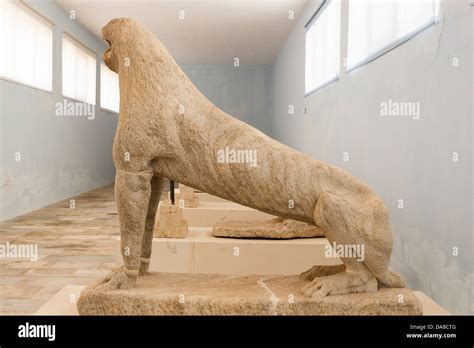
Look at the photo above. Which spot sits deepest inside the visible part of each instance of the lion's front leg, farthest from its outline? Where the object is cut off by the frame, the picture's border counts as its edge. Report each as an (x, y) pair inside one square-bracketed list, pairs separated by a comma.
[(132, 194)]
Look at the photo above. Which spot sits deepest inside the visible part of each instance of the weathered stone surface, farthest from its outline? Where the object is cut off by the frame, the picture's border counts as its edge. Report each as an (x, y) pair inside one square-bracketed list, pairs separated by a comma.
[(170, 223), (168, 129), (186, 194), (277, 228), (205, 294)]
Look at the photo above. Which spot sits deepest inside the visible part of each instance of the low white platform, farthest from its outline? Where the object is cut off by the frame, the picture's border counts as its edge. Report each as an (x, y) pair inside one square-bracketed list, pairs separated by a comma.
[(64, 302), (206, 197), (200, 252), (208, 213), (212, 209), (203, 197), (60, 304)]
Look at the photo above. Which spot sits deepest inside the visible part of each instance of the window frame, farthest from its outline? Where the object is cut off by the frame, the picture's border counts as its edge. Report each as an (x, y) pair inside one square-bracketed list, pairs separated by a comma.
[(53, 26), (396, 43), (312, 20), (93, 53)]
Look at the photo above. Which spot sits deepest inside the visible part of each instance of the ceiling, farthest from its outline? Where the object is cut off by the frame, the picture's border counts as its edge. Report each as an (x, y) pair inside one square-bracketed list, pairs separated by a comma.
[(212, 31)]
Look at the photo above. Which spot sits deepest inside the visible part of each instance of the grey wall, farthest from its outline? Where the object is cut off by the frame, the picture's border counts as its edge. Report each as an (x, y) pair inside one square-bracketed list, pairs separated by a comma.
[(65, 156), (60, 156), (399, 157), (245, 92)]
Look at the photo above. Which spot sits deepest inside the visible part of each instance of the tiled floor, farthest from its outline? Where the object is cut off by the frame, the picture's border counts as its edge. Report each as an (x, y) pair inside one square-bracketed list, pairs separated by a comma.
[(74, 247)]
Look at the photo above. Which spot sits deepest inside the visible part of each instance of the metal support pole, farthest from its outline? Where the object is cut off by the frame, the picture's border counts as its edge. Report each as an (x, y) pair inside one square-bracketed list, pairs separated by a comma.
[(172, 191)]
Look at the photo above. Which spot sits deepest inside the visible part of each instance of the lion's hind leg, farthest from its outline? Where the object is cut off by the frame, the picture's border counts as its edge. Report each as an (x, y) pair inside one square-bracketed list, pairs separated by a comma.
[(132, 194), (345, 222)]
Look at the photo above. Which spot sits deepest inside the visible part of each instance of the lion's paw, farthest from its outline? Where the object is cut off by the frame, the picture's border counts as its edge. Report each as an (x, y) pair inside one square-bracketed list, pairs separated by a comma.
[(117, 279)]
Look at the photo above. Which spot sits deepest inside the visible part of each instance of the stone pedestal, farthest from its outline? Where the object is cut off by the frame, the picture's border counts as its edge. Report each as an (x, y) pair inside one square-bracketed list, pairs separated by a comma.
[(211, 294), (170, 223), (203, 197), (200, 252), (208, 213), (61, 304), (276, 228), (187, 196)]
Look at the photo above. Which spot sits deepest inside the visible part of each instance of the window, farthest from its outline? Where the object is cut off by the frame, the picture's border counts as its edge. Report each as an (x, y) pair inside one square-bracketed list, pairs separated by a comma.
[(322, 46), (375, 27), (79, 71), (26, 46), (109, 89)]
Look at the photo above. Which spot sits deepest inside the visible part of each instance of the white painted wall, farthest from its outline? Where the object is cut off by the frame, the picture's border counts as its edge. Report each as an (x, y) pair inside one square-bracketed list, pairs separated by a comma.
[(60, 156), (400, 158), (244, 92)]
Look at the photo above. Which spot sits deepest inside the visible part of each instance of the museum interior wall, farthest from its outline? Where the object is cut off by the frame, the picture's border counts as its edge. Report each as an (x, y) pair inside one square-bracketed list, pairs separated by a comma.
[(409, 160), (60, 156), (245, 92)]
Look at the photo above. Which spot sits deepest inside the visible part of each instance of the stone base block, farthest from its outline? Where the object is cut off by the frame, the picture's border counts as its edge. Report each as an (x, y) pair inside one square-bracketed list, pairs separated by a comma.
[(208, 213), (187, 198), (200, 252), (206, 197), (210, 294), (276, 228), (191, 202), (180, 231), (170, 223), (203, 197)]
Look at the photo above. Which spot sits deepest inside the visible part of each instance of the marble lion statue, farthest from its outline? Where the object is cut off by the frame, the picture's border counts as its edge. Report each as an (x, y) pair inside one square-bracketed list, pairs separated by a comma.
[(168, 129)]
